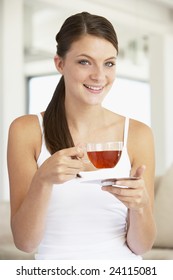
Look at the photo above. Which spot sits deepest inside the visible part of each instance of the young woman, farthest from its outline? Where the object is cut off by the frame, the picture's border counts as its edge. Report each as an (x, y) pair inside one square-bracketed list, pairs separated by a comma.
[(52, 210)]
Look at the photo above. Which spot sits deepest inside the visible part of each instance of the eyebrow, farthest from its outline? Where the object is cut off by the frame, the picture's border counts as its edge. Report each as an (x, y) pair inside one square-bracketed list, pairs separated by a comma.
[(86, 55)]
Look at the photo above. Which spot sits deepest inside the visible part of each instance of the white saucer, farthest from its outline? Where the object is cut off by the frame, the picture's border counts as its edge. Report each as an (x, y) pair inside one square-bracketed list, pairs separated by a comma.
[(109, 182)]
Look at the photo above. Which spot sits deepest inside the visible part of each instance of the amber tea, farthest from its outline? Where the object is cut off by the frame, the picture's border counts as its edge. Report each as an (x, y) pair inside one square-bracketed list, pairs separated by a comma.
[(104, 155)]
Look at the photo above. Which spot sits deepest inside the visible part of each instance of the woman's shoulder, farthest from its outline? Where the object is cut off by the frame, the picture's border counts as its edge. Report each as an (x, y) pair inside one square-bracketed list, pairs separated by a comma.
[(139, 127), (135, 126), (25, 123), (25, 130), (140, 135)]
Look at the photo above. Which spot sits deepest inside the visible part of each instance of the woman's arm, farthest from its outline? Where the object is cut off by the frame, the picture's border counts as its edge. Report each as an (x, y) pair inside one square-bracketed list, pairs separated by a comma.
[(139, 196), (30, 186), (141, 225)]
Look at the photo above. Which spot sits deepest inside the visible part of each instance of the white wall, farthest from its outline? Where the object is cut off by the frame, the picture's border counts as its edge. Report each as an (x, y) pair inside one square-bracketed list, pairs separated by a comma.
[(161, 69), (12, 98), (1, 101)]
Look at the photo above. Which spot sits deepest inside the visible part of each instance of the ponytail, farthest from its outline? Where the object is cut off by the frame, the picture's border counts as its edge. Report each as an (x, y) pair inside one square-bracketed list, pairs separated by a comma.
[(56, 130)]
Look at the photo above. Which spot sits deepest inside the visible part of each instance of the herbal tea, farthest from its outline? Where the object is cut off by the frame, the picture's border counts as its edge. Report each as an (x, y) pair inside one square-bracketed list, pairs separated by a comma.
[(104, 159)]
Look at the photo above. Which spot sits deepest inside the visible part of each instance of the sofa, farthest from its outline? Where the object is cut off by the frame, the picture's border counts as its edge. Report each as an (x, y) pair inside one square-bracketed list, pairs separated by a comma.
[(163, 212), (163, 246)]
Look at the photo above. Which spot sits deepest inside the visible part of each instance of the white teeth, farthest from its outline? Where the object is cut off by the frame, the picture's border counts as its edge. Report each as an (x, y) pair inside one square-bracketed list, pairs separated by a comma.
[(94, 87)]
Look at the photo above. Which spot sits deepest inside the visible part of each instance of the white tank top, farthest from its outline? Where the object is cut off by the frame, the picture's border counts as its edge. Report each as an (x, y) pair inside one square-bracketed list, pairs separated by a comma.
[(83, 222)]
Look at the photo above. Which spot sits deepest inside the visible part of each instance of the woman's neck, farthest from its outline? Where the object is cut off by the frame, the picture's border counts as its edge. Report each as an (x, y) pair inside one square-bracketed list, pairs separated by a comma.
[(85, 119)]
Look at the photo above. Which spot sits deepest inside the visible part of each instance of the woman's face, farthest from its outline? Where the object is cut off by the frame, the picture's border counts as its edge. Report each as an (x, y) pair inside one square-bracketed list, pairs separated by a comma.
[(88, 69)]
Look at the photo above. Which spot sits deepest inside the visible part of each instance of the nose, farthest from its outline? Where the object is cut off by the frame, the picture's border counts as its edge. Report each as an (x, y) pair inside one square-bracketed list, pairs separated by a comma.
[(98, 74)]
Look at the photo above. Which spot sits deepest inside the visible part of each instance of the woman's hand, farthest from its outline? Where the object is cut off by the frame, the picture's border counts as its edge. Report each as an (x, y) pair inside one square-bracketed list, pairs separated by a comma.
[(62, 166), (135, 195)]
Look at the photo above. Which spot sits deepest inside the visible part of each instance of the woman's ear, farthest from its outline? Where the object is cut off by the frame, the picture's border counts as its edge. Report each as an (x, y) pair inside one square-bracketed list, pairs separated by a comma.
[(59, 63)]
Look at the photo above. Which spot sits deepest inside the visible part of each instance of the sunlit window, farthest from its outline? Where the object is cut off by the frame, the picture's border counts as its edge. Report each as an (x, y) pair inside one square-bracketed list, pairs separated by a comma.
[(127, 97), (130, 98)]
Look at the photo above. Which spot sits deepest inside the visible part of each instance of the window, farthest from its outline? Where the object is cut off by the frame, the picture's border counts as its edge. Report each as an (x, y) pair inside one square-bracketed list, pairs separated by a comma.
[(130, 98), (127, 97), (40, 92)]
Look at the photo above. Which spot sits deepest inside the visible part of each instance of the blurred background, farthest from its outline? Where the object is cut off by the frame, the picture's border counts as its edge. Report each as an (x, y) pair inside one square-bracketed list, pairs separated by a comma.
[(144, 86)]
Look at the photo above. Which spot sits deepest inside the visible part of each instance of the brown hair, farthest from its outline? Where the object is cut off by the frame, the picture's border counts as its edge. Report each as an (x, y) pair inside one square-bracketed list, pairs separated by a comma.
[(56, 130)]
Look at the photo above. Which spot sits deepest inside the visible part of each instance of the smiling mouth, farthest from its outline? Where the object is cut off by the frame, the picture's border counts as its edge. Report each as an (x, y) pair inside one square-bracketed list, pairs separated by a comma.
[(94, 88)]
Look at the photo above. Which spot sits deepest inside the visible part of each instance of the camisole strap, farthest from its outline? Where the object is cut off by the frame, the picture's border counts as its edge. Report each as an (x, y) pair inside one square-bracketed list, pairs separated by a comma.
[(126, 129), (40, 119)]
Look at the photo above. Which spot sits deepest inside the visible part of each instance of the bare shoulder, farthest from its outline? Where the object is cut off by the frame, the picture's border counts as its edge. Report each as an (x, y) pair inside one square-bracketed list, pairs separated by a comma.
[(25, 130), (24, 123), (141, 145), (139, 131)]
